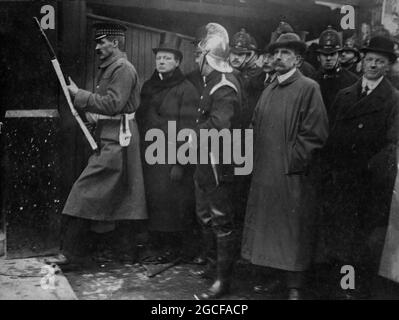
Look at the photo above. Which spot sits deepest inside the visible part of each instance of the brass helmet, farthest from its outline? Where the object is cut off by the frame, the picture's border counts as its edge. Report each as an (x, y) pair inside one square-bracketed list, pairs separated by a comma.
[(214, 47), (329, 41), (243, 42)]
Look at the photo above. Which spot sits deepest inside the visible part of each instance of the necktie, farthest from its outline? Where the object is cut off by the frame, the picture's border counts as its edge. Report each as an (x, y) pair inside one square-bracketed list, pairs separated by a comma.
[(365, 90), (269, 80)]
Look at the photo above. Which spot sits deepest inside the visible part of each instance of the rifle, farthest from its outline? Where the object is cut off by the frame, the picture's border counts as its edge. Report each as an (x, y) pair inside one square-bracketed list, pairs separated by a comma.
[(61, 79)]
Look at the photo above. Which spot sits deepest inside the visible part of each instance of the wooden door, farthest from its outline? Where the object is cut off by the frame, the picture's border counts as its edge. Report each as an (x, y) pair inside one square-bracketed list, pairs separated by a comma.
[(140, 40)]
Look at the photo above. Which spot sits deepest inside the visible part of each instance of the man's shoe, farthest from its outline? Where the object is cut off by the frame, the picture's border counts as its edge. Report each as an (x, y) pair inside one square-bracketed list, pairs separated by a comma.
[(351, 295), (296, 294), (200, 260), (216, 291), (208, 271), (271, 287), (59, 259)]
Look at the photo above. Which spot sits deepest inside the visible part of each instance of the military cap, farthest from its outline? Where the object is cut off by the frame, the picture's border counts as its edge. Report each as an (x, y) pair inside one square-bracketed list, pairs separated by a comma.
[(105, 29)]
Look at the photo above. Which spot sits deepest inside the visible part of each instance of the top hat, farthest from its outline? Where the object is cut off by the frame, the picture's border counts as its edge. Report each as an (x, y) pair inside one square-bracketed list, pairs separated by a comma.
[(104, 29), (289, 40), (169, 42), (381, 45), (329, 41)]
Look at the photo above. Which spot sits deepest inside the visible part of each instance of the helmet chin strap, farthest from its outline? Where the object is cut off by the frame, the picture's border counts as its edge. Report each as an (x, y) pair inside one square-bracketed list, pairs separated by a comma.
[(203, 60)]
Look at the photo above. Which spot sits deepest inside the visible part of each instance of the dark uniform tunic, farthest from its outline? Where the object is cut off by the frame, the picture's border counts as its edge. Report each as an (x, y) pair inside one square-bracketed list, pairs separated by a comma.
[(219, 109)]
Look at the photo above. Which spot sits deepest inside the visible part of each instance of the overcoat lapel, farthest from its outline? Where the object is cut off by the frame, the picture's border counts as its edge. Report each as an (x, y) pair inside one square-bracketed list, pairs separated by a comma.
[(373, 102)]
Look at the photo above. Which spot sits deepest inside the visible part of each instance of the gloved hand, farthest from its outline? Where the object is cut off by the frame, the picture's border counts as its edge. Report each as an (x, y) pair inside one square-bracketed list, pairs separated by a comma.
[(176, 173)]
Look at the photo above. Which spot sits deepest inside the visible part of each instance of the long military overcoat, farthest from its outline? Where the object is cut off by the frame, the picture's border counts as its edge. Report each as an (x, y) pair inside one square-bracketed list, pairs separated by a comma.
[(111, 187)]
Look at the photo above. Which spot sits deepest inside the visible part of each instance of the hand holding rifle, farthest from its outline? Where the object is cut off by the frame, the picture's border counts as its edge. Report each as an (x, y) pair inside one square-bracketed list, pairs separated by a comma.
[(72, 87)]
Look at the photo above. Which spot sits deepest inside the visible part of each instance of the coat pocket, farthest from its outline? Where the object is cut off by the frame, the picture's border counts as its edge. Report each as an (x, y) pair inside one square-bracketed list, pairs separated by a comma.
[(294, 164)]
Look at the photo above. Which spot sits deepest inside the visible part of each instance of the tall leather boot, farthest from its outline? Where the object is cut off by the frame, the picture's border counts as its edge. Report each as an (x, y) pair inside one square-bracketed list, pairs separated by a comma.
[(207, 245), (226, 256)]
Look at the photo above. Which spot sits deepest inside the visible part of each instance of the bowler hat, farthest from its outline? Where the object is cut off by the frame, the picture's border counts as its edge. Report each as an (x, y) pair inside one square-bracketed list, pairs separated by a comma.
[(381, 45), (289, 40), (169, 42), (104, 29)]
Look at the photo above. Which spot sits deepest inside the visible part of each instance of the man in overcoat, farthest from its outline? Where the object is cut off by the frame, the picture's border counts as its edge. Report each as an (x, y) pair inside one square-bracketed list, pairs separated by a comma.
[(168, 101), (110, 190), (360, 158), (290, 124)]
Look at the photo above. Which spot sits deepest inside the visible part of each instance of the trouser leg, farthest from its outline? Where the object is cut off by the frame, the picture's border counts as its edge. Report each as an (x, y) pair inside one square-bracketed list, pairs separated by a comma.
[(76, 239), (204, 219), (295, 279), (125, 239)]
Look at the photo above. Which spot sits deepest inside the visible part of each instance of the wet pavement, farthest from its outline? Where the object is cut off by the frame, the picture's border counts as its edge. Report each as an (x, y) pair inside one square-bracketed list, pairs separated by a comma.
[(117, 281)]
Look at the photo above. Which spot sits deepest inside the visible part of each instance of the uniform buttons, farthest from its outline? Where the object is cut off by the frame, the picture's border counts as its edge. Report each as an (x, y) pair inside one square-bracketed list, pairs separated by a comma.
[(196, 121), (97, 87), (202, 97), (203, 111), (199, 110), (360, 125)]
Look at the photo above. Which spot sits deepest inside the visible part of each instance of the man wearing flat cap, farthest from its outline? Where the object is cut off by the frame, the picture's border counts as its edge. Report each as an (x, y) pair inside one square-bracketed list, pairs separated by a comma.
[(360, 158), (290, 124), (331, 76), (109, 193)]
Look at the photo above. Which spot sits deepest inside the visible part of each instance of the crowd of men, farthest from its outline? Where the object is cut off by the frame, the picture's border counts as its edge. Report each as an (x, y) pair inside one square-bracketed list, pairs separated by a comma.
[(324, 161)]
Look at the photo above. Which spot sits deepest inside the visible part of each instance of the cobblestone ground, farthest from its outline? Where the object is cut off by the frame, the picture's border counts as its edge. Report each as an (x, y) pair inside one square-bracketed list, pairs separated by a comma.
[(125, 281), (116, 281)]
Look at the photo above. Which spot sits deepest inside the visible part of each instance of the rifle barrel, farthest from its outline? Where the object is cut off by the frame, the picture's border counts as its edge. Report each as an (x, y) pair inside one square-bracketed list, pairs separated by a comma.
[(48, 44)]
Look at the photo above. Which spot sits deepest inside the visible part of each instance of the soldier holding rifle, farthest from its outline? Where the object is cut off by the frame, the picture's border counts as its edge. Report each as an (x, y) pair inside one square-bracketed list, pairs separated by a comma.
[(110, 190)]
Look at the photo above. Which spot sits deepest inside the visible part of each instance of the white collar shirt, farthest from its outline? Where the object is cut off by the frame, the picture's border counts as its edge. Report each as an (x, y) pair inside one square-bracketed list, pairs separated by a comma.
[(370, 84), (281, 78)]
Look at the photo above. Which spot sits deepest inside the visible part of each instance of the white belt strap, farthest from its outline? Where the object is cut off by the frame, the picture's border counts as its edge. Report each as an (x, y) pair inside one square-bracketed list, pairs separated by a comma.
[(124, 129), (94, 117)]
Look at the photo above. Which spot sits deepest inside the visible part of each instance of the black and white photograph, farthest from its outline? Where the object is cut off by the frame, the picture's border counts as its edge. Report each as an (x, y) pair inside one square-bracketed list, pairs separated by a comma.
[(189, 150)]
